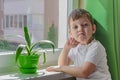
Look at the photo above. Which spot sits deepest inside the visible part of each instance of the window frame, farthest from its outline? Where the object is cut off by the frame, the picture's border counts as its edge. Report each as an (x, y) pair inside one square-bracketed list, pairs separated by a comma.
[(63, 26)]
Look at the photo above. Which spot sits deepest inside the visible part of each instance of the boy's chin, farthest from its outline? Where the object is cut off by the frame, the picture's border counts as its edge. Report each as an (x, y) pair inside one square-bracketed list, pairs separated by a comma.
[(83, 41)]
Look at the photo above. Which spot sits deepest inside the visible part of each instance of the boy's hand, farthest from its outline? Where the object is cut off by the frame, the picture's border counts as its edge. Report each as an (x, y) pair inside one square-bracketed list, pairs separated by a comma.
[(72, 43), (54, 69)]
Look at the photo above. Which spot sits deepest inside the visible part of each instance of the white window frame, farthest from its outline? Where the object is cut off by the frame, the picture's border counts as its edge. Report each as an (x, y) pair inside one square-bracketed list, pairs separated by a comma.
[(64, 5), (62, 23)]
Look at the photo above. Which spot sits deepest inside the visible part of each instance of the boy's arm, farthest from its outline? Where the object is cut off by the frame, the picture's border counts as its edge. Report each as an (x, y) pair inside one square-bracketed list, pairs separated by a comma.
[(82, 72), (63, 58)]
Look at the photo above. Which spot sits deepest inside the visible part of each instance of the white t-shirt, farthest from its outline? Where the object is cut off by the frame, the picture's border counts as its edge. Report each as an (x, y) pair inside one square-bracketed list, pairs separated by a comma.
[(95, 53)]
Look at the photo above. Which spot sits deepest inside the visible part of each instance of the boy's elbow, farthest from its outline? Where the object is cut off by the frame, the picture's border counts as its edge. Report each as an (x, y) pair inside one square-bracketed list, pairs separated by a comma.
[(84, 75)]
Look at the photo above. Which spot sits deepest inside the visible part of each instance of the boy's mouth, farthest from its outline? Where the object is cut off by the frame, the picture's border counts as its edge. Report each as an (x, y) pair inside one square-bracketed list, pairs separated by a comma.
[(81, 34)]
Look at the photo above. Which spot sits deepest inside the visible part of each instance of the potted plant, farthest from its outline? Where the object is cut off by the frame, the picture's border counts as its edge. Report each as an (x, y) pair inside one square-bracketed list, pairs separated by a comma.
[(27, 56)]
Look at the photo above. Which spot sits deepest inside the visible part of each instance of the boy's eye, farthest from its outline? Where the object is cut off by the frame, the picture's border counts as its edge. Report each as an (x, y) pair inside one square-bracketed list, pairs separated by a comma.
[(85, 25), (75, 27)]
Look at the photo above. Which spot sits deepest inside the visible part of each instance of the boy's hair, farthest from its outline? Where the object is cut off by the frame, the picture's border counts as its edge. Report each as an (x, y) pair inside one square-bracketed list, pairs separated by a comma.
[(78, 13)]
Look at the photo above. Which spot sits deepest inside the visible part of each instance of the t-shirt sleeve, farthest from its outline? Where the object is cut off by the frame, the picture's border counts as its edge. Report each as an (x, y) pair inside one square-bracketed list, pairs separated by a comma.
[(95, 54), (71, 55)]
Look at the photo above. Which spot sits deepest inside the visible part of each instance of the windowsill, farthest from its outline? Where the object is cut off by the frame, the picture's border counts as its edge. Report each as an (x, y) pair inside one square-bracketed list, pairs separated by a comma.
[(41, 74), (7, 61), (9, 70)]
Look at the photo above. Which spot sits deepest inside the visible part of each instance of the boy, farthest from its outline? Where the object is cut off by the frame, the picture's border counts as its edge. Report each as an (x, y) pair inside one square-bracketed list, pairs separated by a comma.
[(87, 53)]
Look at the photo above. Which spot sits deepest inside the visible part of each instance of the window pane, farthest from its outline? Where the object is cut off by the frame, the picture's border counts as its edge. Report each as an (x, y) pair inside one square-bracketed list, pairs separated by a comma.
[(15, 21), (20, 21), (11, 21), (25, 20), (44, 18), (7, 21)]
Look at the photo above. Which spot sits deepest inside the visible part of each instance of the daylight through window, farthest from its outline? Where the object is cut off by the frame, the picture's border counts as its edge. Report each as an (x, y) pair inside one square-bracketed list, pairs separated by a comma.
[(46, 19)]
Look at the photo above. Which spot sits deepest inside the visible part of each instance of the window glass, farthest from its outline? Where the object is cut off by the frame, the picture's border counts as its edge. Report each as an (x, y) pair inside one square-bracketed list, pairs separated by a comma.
[(15, 21), (1, 5), (46, 19)]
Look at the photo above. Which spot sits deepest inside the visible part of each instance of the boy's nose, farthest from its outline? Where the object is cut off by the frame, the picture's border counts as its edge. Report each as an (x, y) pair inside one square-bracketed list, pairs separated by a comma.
[(80, 28)]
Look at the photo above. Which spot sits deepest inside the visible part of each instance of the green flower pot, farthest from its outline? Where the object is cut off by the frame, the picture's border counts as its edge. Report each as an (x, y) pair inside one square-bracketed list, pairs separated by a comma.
[(28, 63), (28, 70)]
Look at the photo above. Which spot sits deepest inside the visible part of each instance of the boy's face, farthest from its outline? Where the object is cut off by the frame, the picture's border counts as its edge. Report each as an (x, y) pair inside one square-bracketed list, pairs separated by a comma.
[(82, 30)]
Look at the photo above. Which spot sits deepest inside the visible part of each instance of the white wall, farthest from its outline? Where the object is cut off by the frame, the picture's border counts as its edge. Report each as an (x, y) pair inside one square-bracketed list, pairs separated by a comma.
[(22, 6), (36, 18), (35, 11), (15, 7)]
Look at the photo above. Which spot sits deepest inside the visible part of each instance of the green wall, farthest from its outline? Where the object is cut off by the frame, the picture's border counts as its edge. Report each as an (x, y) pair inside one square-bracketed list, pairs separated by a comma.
[(106, 13)]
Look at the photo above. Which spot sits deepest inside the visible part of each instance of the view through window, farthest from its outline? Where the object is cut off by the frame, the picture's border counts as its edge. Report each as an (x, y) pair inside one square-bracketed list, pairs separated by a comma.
[(46, 19)]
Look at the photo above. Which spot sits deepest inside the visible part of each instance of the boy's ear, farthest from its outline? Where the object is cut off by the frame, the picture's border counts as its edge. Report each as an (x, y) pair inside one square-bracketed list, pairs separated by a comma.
[(94, 28)]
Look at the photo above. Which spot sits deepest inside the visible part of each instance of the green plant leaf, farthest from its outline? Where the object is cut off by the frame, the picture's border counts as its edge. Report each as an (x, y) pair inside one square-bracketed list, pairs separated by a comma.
[(18, 51), (33, 48), (34, 51), (44, 56), (27, 36), (28, 50), (43, 42)]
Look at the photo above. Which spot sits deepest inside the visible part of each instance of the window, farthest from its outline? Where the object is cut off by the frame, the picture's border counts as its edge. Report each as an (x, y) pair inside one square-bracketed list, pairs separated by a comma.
[(46, 19), (15, 21)]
